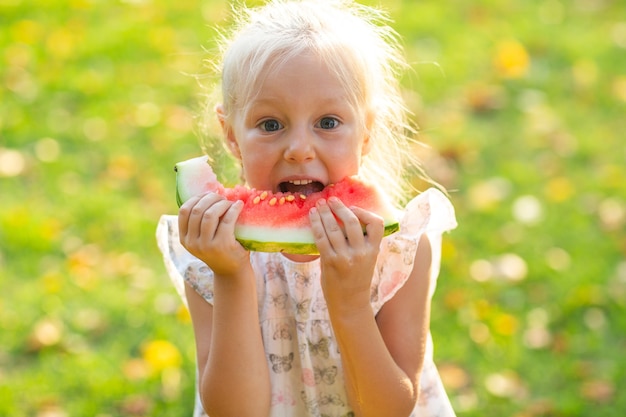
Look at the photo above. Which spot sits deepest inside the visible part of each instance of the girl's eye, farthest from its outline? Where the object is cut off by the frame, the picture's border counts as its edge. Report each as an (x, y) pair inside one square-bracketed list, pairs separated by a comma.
[(328, 123), (271, 125)]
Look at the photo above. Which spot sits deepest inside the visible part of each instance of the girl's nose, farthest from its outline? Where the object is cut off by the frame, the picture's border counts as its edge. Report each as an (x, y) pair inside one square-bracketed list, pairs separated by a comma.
[(300, 148)]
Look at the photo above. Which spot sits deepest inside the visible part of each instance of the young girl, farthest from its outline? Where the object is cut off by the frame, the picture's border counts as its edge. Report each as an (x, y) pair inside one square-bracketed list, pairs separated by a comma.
[(310, 96)]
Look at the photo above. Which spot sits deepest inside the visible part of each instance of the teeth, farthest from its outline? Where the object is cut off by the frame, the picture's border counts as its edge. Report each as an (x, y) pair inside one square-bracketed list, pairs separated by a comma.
[(301, 182)]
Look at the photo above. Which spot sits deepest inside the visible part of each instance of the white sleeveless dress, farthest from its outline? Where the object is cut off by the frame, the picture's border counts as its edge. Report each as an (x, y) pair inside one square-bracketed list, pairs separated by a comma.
[(302, 354)]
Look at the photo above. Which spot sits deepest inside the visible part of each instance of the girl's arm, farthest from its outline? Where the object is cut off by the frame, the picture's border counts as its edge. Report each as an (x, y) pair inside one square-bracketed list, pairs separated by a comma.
[(230, 354), (382, 355)]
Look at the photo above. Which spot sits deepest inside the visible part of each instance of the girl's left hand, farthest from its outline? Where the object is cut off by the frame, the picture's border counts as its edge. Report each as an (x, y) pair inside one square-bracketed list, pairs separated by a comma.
[(347, 255)]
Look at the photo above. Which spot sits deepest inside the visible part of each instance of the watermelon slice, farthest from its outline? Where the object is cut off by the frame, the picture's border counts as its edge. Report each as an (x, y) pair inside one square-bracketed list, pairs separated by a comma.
[(278, 222)]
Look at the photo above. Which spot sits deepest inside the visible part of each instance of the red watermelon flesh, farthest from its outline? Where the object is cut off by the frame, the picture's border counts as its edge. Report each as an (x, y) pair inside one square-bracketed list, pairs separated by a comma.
[(278, 222)]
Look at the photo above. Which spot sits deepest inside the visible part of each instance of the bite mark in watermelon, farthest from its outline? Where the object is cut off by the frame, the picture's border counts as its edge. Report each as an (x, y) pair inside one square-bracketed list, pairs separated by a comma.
[(278, 222)]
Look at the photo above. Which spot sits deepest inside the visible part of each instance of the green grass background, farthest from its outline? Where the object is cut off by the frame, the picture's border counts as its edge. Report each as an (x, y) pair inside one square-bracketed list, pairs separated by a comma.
[(97, 104)]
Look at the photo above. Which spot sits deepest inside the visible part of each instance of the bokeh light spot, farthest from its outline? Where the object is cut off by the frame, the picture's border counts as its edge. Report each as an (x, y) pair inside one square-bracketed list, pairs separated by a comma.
[(12, 162), (528, 210), (47, 149)]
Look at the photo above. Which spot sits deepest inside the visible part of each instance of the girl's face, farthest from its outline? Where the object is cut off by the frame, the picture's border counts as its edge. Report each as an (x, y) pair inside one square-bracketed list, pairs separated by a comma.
[(300, 132)]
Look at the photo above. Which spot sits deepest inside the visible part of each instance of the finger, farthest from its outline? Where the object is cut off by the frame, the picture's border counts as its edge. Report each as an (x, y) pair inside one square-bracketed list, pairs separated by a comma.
[(352, 227), (196, 213), (333, 229), (184, 212), (374, 224), (319, 233), (228, 220), (211, 219)]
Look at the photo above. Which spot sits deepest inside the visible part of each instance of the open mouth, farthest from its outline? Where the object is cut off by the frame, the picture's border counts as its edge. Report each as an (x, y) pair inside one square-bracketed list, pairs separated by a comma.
[(305, 187)]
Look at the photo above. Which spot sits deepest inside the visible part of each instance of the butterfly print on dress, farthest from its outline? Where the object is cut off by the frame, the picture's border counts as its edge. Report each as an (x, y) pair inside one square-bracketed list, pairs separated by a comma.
[(302, 280), (319, 305), (302, 309), (282, 331), (334, 399), (321, 325), (311, 405), (281, 363), (279, 301), (325, 375), (275, 270), (320, 348)]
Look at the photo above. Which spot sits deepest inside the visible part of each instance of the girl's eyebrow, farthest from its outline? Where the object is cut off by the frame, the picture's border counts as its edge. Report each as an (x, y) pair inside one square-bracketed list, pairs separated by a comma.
[(264, 100), (332, 101), (259, 104)]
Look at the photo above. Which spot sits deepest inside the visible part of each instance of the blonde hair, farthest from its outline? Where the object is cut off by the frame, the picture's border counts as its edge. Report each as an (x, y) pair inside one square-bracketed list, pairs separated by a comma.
[(357, 44)]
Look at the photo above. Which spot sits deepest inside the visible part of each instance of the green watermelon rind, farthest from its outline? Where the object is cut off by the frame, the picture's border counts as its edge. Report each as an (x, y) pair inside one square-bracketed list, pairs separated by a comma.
[(297, 248), (179, 200), (291, 248)]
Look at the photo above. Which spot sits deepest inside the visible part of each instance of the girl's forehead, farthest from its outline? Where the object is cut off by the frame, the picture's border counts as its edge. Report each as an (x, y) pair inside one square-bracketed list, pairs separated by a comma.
[(294, 65), (306, 66), (298, 81)]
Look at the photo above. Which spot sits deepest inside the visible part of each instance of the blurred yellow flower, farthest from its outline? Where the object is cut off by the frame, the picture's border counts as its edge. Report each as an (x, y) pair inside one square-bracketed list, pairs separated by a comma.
[(585, 73), (619, 88), (27, 31), (61, 42), (505, 324), (52, 282), (511, 59), (161, 354), (182, 314), (559, 189), (448, 250)]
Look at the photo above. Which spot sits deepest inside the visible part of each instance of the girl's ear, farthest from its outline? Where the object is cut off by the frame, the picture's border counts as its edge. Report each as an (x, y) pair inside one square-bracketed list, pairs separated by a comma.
[(229, 135), (367, 146)]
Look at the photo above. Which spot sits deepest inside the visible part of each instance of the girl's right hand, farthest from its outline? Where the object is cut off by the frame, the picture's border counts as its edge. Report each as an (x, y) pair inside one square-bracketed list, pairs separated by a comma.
[(206, 225)]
